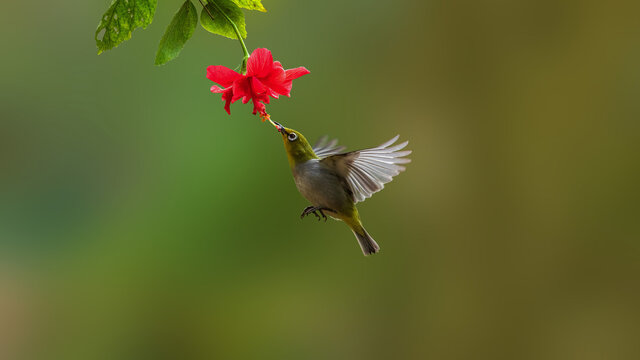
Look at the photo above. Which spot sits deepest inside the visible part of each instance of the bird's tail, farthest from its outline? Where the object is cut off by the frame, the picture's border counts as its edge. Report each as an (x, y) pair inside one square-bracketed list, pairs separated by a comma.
[(367, 244)]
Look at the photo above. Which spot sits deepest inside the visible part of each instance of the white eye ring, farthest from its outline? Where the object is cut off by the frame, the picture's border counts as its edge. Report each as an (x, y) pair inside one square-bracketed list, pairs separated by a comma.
[(292, 136)]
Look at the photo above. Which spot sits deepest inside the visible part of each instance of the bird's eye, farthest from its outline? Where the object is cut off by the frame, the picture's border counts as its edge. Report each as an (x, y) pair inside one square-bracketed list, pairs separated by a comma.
[(293, 136)]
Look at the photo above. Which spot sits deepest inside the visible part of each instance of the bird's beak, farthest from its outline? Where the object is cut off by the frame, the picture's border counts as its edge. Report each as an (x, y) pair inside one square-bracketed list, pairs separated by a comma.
[(279, 127)]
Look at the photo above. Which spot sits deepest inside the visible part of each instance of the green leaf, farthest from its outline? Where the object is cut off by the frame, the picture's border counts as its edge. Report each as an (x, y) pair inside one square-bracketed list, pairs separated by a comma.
[(250, 4), (220, 25), (178, 32), (122, 17)]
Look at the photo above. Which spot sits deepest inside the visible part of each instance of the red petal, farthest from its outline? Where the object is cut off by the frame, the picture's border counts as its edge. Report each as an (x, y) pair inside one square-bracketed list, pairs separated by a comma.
[(261, 97), (257, 87), (296, 73), (259, 107), (241, 89), (287, 85), (276, 81), (273, 94), (284, 88), (215, 89), (222, 75), (260, 63), (226, 96)]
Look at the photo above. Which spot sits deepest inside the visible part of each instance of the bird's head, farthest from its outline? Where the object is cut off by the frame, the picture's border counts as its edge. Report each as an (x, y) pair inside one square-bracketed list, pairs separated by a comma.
[(296, 145)]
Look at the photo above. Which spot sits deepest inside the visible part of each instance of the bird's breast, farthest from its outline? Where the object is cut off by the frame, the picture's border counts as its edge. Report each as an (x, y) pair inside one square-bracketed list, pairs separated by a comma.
[(321, 186)]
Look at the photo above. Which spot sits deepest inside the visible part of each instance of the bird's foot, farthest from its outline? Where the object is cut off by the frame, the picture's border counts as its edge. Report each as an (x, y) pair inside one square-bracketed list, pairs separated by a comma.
[(314, 210), (311, 210)]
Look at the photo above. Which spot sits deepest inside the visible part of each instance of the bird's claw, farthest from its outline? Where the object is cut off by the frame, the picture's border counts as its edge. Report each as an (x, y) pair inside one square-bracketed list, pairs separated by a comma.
[(323, 215), (314, 210), (308, 210)]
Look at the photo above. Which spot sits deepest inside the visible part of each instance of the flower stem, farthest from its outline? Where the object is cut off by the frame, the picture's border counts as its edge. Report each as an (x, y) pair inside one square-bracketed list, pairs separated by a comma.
[(245, 53)]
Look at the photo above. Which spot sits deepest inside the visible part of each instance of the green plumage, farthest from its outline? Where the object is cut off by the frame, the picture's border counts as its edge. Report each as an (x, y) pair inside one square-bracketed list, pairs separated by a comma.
[(334, 181)]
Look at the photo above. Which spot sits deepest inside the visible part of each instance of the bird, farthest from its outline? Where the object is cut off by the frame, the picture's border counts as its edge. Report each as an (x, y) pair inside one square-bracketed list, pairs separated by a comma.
[(334, 181)]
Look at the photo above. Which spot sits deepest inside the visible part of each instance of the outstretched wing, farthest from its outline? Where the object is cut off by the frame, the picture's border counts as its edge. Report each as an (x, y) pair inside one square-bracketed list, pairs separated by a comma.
[(324, 148), (368, 170)]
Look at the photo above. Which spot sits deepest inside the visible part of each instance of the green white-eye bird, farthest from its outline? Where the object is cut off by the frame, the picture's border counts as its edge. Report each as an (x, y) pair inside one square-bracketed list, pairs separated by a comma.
[(334, 181)]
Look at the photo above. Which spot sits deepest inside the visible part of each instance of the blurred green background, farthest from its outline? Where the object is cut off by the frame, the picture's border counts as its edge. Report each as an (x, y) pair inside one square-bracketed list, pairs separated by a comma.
[(139, 221)]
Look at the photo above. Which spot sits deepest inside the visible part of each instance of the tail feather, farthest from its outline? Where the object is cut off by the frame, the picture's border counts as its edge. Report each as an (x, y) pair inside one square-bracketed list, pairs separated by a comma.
[(367, 244)]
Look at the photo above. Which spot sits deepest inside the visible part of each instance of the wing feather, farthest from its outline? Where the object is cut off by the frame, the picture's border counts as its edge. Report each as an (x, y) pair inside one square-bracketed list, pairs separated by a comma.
[(324, 148), (367, 170)]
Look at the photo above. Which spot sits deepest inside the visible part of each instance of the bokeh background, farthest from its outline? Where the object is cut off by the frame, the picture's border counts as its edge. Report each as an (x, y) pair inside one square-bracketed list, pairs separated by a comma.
[(139, 221)]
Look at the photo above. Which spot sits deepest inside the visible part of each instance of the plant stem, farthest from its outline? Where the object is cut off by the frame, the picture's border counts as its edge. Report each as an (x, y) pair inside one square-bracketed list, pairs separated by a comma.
[(245, 53)]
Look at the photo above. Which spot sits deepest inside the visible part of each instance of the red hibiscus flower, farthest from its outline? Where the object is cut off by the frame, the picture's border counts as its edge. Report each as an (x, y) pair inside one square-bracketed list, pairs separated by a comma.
[(265, 78)]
